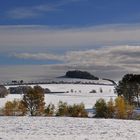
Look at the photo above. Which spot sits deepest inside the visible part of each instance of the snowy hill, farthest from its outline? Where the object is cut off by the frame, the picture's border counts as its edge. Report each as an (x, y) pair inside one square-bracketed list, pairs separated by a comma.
[(71, 93), (65, 80)]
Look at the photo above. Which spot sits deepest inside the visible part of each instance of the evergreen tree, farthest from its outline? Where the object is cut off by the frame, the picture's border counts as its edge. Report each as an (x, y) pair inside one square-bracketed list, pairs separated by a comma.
[(101, 108), (129, 87)]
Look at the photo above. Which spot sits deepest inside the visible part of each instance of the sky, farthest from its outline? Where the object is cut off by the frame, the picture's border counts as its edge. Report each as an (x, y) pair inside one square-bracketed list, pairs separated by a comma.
[(40, 39)]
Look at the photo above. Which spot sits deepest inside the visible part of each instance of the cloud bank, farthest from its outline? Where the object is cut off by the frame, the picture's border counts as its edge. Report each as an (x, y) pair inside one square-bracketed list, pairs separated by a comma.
[(75, 48), (106, 62), (115, 58), (42, 38)]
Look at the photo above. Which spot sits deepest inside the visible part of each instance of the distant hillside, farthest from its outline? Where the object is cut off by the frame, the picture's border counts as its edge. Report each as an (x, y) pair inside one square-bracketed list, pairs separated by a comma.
[(80, 74)]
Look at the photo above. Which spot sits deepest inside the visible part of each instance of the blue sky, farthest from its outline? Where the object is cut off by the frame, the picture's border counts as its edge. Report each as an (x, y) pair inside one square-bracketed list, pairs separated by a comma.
[(69, 12), (100, 36)]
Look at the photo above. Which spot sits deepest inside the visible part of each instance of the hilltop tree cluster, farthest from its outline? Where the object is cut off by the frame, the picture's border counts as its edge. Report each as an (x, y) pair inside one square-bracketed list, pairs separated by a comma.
[(81, 75)]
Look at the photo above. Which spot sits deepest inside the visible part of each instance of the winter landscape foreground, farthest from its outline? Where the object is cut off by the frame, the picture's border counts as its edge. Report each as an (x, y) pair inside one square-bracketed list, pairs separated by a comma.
[(68, 128), (65, 128)]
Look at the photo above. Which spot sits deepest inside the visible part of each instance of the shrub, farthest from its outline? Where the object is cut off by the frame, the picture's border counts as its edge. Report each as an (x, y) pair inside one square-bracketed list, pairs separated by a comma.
[(14, 108), (49, 111), (129, 110), (93, 91), (110, 109), (138, 117), (101, 90), (120, 108), (77, 110), (62, 109), (101, 108), (46, 90), (123, 110), (1, 111), (71, 90)]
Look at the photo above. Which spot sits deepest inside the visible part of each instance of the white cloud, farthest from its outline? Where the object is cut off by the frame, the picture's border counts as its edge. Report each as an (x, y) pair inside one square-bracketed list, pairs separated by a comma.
[(43, 37), (39, 56), (36, 10), (30, 12), (125, 58)]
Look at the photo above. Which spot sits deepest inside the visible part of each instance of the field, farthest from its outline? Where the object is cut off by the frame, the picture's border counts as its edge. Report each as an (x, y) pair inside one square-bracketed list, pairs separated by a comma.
[(63, 128), (73, 93)]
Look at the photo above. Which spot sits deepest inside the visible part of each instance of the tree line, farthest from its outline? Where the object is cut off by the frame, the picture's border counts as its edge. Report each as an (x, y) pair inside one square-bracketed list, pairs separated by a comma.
[(33, 104), (128, 91)]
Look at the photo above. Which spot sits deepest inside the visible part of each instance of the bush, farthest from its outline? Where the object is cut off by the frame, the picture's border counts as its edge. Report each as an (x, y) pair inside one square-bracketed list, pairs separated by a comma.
[(46, 90), (49, 111), (138, 117), (123, 110), (101, 108), (77, 110), (1, 111), (62, 109), (129, 110), (14, 108), (101, 90), (110, 109), (120, 108), (93, 91)]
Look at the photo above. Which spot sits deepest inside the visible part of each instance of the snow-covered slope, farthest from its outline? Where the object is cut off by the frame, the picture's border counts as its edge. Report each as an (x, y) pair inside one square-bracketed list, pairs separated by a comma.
[(75, 80), (73, 93), (61, 128), (77, 93)]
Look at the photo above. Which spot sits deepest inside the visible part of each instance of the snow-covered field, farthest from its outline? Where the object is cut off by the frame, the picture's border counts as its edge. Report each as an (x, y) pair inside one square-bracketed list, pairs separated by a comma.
[(73, 93), (63, 128), (81, 93)]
